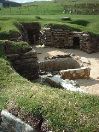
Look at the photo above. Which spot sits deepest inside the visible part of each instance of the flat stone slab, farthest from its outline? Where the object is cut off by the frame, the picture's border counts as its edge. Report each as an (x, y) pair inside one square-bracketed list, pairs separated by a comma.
[(66, 18), (58, 82), (80, 73), (11, 123)]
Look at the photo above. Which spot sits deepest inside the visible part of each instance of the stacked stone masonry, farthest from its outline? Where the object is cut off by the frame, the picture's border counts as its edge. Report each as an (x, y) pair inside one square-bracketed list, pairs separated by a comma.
[(62, 38)]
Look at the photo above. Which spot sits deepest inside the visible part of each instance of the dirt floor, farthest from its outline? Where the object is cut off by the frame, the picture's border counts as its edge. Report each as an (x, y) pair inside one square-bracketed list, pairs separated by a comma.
[(88, 85)]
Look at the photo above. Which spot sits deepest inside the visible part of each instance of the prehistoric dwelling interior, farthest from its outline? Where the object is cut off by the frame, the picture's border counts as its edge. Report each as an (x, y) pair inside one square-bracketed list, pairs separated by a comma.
[(58, 36), (27, 62)]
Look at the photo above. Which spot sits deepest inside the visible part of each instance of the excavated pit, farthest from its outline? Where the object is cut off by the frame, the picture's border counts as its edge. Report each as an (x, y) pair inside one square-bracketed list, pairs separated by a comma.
[(24, 59), (26, 63)]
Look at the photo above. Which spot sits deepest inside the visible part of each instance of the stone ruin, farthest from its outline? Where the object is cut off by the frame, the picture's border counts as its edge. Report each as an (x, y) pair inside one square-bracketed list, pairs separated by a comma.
[(26, 63), (58, 36), (52, 35), (68, 66), (65, 38), (58, 64), (62, 70), (59, 71)]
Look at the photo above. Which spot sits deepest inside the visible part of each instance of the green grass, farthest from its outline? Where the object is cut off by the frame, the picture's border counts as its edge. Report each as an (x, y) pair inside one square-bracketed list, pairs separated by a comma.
[(36, 9), (88, 23), (68, 2), (64, 110), (52, 8)]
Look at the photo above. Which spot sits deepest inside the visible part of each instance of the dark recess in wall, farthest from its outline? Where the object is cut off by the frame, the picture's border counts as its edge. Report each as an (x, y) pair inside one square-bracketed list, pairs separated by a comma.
[(31, 32), (76, 42)]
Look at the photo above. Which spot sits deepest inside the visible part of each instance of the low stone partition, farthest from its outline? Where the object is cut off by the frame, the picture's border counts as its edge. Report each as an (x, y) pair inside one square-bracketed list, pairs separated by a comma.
[(58, 64), (80, 73), (11, 123)]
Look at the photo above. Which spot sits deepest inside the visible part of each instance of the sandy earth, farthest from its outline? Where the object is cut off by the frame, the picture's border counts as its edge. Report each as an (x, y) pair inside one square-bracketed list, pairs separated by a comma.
[(91, 85)]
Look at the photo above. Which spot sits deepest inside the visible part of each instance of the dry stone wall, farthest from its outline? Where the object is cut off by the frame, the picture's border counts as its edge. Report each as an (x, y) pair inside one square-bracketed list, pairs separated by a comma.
[(62, 38)]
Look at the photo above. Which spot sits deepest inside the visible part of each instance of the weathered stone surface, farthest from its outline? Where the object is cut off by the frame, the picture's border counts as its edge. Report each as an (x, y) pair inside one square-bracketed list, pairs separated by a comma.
[(66, 18), (65, 38), (30, 54), (57, 81), (26, 61), (85, 61), (13, 57), (58, 64), (43, 77), (80, 73), (58, 55), (14, 124)]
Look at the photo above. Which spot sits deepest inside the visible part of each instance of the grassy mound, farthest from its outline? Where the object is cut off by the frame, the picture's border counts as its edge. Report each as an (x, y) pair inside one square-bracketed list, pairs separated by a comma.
[(64, 110)]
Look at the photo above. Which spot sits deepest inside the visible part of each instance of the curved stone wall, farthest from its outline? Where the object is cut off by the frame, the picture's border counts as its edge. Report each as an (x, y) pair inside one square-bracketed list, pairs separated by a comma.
[(23, 59)]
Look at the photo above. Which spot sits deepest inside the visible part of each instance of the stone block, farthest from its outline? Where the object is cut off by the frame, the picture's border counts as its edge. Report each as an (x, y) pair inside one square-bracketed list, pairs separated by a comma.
[(80, 73), (66, 18)]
